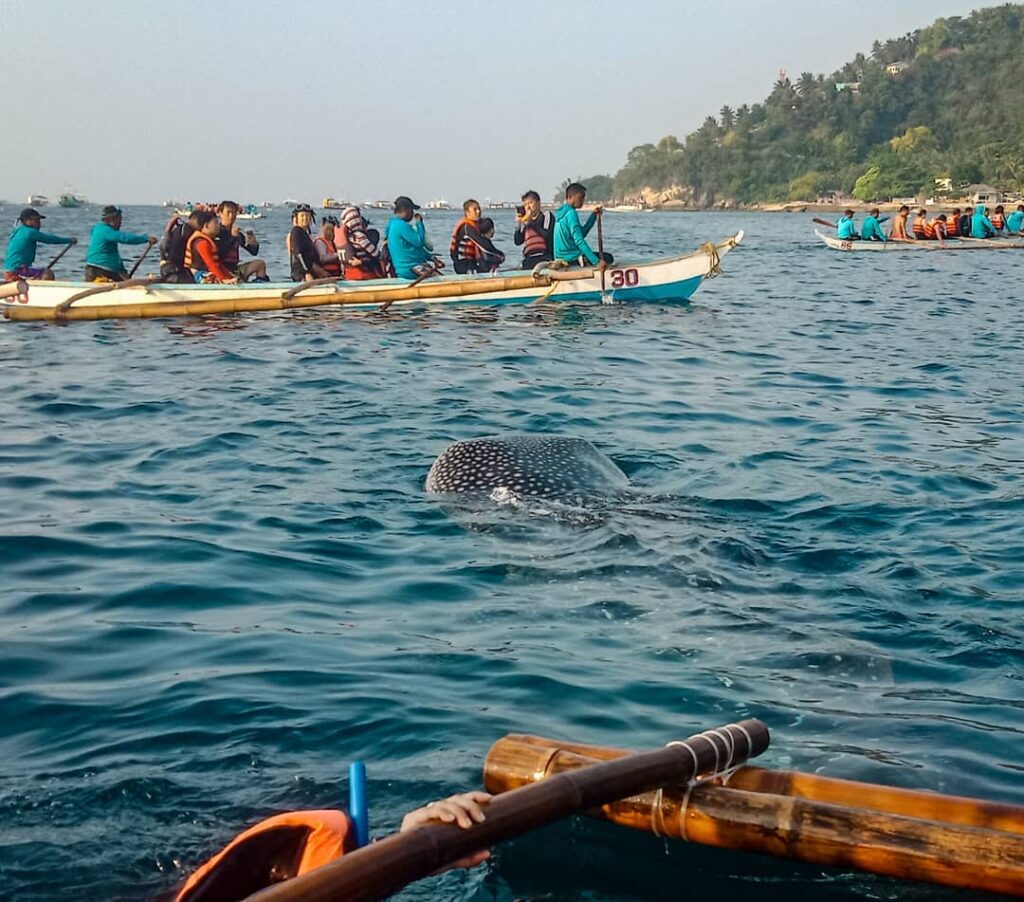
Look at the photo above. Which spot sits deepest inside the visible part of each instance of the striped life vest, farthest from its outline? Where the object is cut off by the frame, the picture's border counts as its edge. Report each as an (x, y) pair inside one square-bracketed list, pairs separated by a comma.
[(998, 222), (328, 259), (921, 227), (537, 236), (462, 246)]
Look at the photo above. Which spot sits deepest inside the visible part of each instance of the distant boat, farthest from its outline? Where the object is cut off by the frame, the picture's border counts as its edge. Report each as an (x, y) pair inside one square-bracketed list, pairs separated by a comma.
[(329, 203), (951, 244), (70, 200), (38, 200), (290, 202), (439, 204), (626, 208), (377, 204), (250, 212)]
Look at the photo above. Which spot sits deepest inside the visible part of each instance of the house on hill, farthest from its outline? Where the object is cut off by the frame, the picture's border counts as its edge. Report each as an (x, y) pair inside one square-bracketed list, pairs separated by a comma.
[(895, 68), (983, 194)]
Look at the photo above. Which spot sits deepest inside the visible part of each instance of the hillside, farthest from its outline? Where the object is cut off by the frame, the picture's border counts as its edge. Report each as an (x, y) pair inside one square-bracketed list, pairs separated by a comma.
[(945, 102)]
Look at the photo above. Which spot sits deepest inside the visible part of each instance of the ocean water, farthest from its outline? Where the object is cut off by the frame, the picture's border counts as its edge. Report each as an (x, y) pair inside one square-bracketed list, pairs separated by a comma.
[(221, 580)]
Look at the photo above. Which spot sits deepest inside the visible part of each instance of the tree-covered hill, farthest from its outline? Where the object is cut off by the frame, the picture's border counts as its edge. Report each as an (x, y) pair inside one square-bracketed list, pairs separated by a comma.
[(945, 102)]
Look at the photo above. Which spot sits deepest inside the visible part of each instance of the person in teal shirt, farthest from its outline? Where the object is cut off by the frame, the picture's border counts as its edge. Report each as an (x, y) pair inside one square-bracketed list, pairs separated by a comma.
[(412, 254), (981, 225), (103, 261), (21, 248), (846, 228), (569, 237), (1015, 221), (872, 228)]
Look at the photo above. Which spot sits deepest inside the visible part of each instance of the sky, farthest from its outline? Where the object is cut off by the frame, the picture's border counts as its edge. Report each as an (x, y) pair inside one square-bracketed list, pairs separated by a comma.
[(134, 101)]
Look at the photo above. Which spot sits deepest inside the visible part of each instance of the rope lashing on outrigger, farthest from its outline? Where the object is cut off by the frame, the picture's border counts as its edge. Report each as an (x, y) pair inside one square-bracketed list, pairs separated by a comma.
[(714, 258)]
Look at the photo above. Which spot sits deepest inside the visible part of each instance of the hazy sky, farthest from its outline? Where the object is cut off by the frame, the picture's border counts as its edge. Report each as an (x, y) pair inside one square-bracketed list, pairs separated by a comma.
[(134, 101)]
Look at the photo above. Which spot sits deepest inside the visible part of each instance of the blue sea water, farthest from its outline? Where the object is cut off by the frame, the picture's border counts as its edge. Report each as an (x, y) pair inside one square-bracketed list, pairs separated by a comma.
[(221, 580)]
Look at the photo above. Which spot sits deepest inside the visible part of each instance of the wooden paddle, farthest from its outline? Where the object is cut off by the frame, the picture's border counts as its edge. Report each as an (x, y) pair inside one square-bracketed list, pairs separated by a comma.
[(382, 868), (600, 247), (825, 222), (138, 262), (56, 259)]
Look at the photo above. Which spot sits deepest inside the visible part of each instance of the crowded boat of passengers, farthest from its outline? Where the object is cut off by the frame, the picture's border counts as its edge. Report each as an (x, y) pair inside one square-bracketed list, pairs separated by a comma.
[(979, 224), (206, 246)]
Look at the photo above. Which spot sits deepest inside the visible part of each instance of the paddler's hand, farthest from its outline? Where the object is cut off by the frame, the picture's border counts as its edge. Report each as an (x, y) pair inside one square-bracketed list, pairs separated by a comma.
[(151, 240), (464, 809), (73, 242), (602, 265), (598, 211)]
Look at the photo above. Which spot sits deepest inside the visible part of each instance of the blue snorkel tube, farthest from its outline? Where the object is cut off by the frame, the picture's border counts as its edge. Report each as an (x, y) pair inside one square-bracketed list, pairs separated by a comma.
[(358, 808)]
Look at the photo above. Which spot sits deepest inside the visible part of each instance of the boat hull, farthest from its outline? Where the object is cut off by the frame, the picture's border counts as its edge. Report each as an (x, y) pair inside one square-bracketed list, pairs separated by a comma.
[(955, 244), (673, 279)]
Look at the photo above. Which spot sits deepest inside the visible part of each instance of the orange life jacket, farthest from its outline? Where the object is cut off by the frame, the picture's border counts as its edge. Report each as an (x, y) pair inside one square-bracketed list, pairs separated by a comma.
[(332, 264), (462, 247), (201, 255), (998, 222), (269, 853), (921, 227)]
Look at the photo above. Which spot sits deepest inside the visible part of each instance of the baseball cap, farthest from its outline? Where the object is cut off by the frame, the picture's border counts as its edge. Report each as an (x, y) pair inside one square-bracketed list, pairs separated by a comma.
[(405, 203), (109, 211), (28, 213)]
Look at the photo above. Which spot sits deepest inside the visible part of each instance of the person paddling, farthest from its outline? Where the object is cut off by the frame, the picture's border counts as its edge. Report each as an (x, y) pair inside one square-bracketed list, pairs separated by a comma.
[(534, 231), (846, 227), (871, 230), (21, 248), (103, 261), (570, 238), (412, 254)]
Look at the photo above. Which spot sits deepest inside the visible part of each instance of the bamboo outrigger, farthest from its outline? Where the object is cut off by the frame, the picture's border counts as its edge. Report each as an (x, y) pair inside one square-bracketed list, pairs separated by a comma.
[(672, 279), (915, 835)]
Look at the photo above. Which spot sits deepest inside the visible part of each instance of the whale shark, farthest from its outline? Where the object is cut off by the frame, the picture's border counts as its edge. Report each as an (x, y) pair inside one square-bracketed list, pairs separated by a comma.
[(540, 466)]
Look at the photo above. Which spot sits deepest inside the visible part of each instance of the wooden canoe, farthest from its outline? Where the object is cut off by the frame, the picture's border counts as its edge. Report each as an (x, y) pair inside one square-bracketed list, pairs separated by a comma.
[(672, 279), (955, 244)]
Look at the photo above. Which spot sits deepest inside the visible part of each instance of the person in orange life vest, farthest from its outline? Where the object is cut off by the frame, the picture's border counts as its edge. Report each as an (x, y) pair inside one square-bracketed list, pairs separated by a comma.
[(999, 219), (898, 232), (951, 224), (467, 247), (297, 842), (534, 231), (232, 239), (919, 227), (201, 251), (326, 250), (358, 245), (492, 258), (936, 229)]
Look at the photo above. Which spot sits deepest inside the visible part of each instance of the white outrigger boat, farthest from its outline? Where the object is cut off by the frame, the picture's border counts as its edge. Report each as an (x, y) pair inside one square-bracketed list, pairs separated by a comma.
[(953, 244), (672, 279)]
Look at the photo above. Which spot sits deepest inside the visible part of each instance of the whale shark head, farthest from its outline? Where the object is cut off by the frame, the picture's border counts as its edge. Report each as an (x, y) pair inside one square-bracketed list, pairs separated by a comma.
[(544, 466)]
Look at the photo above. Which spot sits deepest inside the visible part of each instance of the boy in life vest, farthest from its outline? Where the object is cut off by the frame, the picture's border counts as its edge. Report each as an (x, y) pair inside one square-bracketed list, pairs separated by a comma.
[(534, 231), (230, 242), (492, 258), (920, 225), (297, 842), (467, 247), (201, 255), (999, 220)]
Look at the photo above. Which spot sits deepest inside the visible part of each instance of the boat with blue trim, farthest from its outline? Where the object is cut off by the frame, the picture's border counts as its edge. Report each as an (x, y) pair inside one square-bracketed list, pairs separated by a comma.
[(666, 280)]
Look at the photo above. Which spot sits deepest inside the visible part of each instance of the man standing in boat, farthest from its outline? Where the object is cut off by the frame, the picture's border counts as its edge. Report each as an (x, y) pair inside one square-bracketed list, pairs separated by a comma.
[(103, 261), (570, 238), (534, 231), (21, 248)]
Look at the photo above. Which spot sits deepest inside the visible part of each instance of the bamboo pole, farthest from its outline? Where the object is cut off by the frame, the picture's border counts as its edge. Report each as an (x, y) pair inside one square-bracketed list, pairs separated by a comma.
[(900, 833), (13, 289), (375, 871), (427, 291)]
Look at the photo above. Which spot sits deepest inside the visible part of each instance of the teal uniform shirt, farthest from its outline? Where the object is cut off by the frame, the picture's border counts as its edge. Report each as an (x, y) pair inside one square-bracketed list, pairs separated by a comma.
[(408, 246), (103, 246), (21, 249), (570, 238), (872, 230), (846, 228), (981, 225), (1015, 221)]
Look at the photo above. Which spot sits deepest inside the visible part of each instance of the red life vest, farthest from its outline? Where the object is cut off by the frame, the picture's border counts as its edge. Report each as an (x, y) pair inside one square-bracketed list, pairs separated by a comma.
[(537, 235), (462, 246), (998, 222), (206, 262), (332, 264), (276, 849)]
